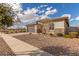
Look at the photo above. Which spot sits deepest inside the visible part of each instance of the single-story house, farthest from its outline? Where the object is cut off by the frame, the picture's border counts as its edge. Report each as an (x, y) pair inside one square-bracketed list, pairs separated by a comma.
[(56, 25)]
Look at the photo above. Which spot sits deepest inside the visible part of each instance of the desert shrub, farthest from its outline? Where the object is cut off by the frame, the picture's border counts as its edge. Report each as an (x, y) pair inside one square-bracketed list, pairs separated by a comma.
[(73, 34), (59, 34), (51, 34), (67, 36), (78, 32), (23, 30), (30, 33), (16, 31), (43, 33), (20, 30), (11, 31)]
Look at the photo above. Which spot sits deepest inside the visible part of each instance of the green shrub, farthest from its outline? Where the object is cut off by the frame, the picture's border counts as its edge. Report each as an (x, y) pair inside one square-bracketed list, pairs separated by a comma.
[(73, 34), (23, 30), (11, 31), (67, 36), (78, 32)]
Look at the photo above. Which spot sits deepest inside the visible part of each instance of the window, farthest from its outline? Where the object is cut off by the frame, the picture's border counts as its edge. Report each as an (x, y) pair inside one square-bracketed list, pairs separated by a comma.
[(51, 26)]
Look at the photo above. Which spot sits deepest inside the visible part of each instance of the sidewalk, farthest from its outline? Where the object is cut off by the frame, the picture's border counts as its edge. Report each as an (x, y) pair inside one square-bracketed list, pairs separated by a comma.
[(22, 48)]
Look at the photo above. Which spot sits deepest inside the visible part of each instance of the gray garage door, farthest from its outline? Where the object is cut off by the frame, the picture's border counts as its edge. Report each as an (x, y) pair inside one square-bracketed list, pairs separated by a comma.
[(31, 28)]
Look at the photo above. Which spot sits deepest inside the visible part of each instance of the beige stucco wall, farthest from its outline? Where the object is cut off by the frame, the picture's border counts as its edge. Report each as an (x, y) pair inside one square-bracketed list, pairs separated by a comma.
[(26, 28), (59, 24), (35, 28), (59, 27), (45, 29)]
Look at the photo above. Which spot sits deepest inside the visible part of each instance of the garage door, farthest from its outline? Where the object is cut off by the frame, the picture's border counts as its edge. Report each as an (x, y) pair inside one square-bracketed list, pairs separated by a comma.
[(31, 28)]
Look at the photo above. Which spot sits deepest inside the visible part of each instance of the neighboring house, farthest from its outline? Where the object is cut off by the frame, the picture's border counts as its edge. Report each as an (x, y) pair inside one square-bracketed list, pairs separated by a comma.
[(56, 25)]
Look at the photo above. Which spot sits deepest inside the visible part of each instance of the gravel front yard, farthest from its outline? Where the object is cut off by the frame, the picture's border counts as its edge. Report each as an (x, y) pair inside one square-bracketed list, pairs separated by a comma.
[(5, 49), (54, 45)]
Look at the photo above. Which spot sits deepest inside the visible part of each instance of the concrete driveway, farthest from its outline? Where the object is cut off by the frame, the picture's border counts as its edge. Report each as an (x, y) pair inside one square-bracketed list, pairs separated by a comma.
[(21, 48)]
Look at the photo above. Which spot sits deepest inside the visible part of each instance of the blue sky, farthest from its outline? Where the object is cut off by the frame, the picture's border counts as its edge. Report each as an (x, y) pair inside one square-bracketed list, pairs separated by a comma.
[(31, 11), (62, 8)]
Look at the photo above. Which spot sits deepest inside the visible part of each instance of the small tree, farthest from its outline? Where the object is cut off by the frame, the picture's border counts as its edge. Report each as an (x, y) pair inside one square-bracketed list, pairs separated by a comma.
[(6, 15), (7, 21)]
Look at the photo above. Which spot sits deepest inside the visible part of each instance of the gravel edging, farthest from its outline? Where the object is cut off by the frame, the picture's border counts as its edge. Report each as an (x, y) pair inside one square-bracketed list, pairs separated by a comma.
[(5, 50), (54, 45)]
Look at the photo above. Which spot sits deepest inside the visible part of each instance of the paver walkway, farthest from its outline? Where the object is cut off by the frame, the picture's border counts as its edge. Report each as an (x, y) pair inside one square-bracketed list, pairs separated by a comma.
[(21, 48)]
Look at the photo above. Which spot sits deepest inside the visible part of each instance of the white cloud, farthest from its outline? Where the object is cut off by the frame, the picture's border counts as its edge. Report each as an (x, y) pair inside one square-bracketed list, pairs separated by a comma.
[(41, 6), (46, 12), (42, 11), (31, 11), (45, 5), (66, 15), (74, 19), (30, 14), (77, 18), (27, 14), (52, 11), (49, 8), (44, 16), (16, 7), (71, 19)]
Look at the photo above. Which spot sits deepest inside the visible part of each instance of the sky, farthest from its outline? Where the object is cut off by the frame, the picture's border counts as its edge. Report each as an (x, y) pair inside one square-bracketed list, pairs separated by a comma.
[(31, 12)]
